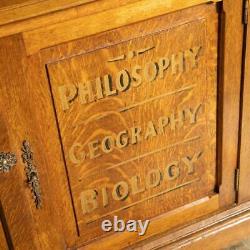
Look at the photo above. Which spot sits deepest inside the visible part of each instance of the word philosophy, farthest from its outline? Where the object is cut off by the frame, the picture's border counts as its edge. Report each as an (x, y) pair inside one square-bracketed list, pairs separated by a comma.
[(113, 84)]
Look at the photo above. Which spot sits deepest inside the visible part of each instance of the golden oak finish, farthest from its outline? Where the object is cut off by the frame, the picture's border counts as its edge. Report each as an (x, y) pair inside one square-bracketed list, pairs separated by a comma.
[(49, 159), (215, 233), (89, 43), (99, 22), (188, 88), (13, 11), (11, 191), (245, 129), (63, 15), (11, 3), (160, 224), (224, 236), (77, 78), (28, 226), (229, 89), (123, 34), (60, 16), (3, 242)]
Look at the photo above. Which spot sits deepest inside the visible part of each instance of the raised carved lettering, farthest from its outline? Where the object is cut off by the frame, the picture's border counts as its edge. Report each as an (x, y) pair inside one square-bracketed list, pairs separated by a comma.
[(123, 80), (135, 135), (123, 189)]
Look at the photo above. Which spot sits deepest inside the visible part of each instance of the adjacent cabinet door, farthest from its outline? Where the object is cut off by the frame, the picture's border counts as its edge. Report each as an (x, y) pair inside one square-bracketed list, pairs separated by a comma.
[(139, 122), (244, 169)]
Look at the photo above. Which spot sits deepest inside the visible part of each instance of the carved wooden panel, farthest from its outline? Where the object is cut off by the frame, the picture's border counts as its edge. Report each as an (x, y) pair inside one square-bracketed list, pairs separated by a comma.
[(138, 124)]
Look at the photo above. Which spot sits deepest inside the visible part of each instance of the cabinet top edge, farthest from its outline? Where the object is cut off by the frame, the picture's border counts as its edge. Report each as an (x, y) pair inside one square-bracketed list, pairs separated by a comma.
[(23, 15), (18, 10)]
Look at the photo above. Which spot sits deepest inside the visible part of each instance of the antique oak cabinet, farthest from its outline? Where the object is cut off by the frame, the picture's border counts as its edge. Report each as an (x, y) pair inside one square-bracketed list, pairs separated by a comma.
[(134, 108)]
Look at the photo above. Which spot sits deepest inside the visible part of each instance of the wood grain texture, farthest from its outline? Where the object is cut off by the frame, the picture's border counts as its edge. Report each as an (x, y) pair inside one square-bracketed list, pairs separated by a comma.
[(14, 11), (123, 34), (106, 20), (3, 242), (229, 96), (6, 4), (28, 226), (57, 206), (85, 45), (13, 193), (224, 236), (60, 16), (244, 193), (214, 233), (77, 125), (165, 222), (25, 79)]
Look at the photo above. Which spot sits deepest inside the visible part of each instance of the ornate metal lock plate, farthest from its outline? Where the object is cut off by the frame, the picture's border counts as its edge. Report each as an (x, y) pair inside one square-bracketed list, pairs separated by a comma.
[(31, 173), (7, 161)]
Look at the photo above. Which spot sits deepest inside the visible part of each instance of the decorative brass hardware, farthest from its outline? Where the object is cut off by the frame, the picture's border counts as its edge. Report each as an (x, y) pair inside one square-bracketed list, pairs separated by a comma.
[(7, 161), (31, 173), (237, 179)]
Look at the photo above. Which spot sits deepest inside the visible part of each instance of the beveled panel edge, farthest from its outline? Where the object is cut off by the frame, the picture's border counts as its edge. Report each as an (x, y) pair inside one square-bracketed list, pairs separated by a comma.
[(55, 34), (159, 224), (200, 231), (244, 142)]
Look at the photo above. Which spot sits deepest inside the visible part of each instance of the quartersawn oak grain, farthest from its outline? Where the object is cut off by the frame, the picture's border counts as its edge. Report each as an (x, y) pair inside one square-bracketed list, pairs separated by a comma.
[(59, 16), (87, 44), (213, 233), (58, 33), (244, 194), (3, 242), (11, 124), (14, 11), (229, 97), (78, 124), (28, 226), (24, 120), (165, 222)]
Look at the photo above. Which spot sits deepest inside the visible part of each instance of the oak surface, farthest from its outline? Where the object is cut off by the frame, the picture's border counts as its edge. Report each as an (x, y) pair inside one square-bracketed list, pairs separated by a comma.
[(16, 10), (231, 42), (244, 194), (84, 26), (30, 113), (192, 89), (3, 242), (227, 236), (219, 231), (60, 16), (159, 225), (13, 189), (28, 226)]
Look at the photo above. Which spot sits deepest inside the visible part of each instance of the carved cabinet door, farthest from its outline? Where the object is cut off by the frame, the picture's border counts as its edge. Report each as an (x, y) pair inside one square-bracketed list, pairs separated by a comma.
[(139, 122)]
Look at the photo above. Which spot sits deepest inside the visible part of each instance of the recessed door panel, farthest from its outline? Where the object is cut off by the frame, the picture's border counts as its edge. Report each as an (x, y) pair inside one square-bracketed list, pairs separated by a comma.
[(138, 124)]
